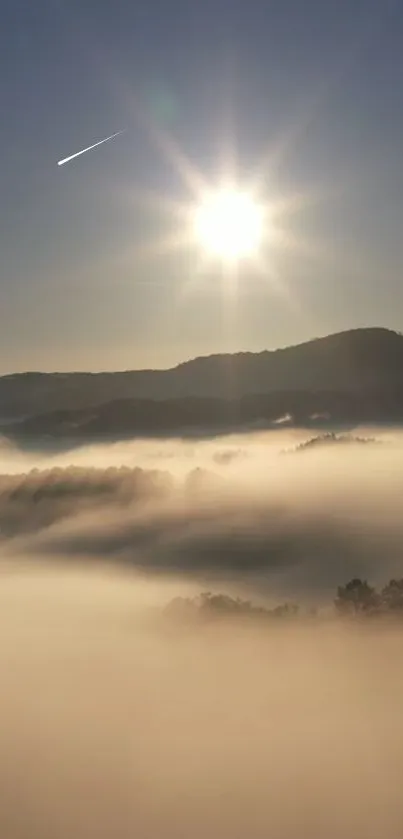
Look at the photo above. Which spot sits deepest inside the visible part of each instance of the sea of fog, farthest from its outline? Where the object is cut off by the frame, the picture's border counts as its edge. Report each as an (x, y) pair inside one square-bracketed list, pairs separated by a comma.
[(112, 724)]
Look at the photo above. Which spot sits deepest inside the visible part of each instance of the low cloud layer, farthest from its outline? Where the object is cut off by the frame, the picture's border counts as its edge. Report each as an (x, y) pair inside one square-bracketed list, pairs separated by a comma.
[(116, 723), (112, 726), (234, 511)]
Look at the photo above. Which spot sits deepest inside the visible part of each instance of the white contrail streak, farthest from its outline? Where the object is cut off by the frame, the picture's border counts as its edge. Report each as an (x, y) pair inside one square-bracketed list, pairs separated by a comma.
[(78, 153)]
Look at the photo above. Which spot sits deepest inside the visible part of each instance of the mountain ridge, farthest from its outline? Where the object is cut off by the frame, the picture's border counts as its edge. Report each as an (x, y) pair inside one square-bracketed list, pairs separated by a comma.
[(352, 362), (372, 331)]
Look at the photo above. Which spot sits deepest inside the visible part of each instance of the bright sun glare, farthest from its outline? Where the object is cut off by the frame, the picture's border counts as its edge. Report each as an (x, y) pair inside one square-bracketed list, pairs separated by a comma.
[(229, 224)]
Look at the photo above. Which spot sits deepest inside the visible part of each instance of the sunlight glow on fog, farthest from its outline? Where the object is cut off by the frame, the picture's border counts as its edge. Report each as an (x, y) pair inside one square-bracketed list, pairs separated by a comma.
[(233, 510), (110, 726), (114, 723)]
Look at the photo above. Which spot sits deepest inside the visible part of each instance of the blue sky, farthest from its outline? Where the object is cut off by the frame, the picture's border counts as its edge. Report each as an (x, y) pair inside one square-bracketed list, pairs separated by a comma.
[(314, 87)]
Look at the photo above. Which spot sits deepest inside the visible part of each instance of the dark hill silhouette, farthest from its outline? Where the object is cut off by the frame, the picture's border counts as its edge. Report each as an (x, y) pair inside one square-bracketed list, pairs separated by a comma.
[(347, 361), (348, 377), (197, 416)]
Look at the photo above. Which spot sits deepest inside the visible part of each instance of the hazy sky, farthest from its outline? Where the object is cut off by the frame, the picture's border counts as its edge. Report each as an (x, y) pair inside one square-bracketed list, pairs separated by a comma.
[(315, 86)]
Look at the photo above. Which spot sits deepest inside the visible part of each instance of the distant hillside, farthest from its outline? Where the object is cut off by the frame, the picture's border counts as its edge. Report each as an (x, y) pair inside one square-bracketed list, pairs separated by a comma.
[(197, 416), (349, 362)]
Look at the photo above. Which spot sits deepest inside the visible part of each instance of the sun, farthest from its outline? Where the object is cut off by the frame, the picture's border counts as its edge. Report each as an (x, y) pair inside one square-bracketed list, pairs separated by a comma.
[(229, 224)]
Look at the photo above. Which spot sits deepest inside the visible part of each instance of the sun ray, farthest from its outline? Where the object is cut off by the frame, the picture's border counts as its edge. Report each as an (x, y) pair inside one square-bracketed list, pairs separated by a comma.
[(229, 229), (172, 152), (147, 199)]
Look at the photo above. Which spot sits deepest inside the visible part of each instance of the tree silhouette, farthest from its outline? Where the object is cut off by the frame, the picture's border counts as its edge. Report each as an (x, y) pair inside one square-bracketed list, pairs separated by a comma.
[(392, 596), (285, 610), (356, 598), (207, 606)]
